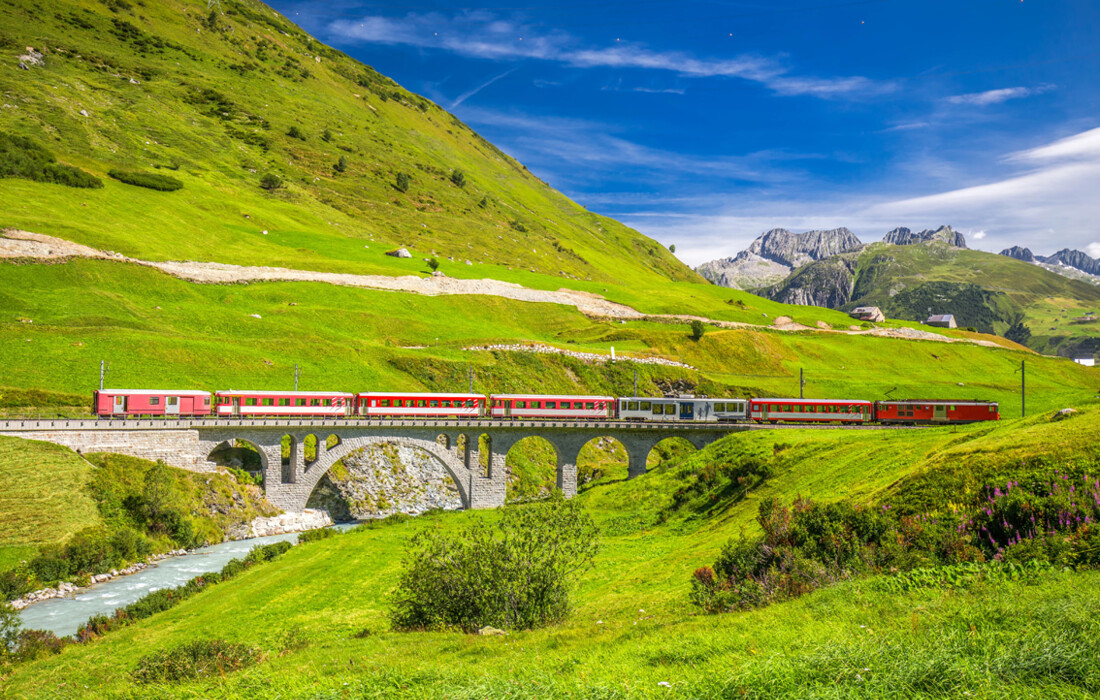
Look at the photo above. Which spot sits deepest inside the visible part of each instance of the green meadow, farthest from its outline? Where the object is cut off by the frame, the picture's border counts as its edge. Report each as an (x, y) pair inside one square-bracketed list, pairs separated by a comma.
[(60, 320), (632, 629)]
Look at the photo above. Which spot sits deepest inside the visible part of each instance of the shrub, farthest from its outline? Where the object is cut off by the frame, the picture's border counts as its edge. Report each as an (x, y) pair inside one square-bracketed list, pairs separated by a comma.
[(23, 158), (433, 263), (459, 178), (17, 582), (326, 136), (270, 182), (515, 576), (246, 477), (672, 248), (698, 329), (341, 165), (199, 659), (314, 535), (267, 552), (401, 184), (38, 644), (151, 181), (10, 625), (51, 564), (295, 133)]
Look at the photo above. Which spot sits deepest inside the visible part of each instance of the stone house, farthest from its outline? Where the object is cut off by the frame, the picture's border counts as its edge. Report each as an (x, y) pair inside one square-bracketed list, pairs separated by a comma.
[(942, 321), (867, 313)]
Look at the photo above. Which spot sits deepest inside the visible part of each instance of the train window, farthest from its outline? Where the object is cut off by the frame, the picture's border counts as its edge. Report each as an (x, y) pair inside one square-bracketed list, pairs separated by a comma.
[(721, 407), (315, 402), (950, 408), (250, 402), (299, 402), (644, 406), (267, 402), (536, 404), (658, 409), (670, 409), (384, 403), (551, 404), (172, 400), (421, 404), (521, 404), (433, 404), (469, 403), (284, 402), (206, 401), (632, 406), (992, 409), (446, 404), (590, 405), (154, 400)]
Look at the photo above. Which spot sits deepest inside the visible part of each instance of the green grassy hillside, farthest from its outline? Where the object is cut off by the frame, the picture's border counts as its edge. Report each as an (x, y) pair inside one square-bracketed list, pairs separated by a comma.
[(174, 89), (632, 628), (61, 319), (44, 497), (985, 291)]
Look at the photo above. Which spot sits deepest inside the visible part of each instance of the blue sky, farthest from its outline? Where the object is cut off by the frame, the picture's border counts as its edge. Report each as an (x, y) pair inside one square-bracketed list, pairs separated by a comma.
[(703, 123)]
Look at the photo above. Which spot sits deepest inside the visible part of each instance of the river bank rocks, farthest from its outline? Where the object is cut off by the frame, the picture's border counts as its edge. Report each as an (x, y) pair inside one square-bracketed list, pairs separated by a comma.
[(309, 519), (65, 588), (382, 480)]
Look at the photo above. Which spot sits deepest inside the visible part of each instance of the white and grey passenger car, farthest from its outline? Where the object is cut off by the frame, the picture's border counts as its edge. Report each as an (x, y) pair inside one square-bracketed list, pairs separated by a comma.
[(684, 408)]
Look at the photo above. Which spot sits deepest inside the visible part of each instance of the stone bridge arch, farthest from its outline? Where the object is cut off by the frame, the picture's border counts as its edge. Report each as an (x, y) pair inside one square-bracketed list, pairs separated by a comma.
[(311, 475)]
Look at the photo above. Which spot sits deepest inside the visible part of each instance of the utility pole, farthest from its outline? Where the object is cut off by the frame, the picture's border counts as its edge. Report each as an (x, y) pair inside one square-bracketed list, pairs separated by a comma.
[(801, 383), (104, 368), (1023, 395), (295, 377)]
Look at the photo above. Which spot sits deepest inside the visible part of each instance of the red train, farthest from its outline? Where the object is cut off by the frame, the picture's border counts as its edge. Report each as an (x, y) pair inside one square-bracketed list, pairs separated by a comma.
[(125, 403)]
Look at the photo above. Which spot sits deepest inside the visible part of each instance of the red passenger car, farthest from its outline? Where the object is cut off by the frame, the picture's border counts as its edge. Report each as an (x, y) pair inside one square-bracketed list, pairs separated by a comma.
[(145, 402), (283, 403), (545, 406), (810, 410), (416, 405), (916, 411)]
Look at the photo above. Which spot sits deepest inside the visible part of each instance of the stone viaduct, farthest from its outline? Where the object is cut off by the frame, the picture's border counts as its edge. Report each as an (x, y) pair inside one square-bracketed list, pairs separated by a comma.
[(188, 444)]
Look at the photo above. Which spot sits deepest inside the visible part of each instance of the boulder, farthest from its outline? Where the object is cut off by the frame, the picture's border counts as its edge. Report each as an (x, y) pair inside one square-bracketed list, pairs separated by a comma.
[(399, 253)]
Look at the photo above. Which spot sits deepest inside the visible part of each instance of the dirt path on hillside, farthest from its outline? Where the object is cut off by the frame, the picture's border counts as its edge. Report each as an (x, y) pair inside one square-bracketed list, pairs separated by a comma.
[(36, 246)]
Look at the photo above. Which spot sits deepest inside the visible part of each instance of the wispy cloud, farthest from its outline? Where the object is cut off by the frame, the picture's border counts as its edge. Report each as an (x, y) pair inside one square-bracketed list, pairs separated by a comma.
[(470, 93), (992, 97), (480, 34)]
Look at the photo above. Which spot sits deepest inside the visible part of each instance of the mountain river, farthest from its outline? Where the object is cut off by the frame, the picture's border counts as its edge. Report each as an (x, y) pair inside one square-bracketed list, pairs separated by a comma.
[(62, 616)]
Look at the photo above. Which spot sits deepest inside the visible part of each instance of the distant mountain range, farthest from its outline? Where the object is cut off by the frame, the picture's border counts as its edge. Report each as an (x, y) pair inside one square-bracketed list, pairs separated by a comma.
[(912, 274)]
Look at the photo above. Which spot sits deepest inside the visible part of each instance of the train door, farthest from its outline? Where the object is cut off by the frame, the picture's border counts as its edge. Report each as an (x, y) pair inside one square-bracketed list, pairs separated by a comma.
[(687, 410), (939, 412), (507, 409), (237, 406), (119, 405), (172, 405)]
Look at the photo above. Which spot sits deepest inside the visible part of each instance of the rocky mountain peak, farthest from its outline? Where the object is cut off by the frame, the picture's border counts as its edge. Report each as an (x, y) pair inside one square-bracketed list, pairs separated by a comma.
[(944, 234), (775, 254), (1075, 259), (1018, 253)]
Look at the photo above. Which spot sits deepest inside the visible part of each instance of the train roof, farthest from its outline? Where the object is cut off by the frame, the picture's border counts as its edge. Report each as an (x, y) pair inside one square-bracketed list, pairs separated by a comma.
[(154, 392), (552, 397), (813, 400), (953, 402), (243, 392), (681, 398), (424, 394)]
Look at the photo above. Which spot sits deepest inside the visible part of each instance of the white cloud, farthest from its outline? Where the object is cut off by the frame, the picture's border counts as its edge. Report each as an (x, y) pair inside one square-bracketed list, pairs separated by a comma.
[(1045, 200), (992, 97), (480, 34)]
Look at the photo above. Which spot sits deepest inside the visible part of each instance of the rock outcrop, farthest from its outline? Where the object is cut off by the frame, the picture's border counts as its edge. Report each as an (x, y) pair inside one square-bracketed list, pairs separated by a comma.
[(283, 523), (1018, 253), (944, 234), (774, 255), (825, 283), (378, 481), (1075, 259)]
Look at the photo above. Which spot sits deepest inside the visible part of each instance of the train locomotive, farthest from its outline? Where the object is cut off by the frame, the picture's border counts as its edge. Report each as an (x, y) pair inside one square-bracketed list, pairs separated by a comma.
[(140, 403)]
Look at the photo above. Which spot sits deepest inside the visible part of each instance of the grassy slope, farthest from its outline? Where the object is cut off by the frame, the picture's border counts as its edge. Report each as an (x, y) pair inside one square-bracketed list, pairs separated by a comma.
[(320, 220), (205, 336), (632, 628), (1047, 300), (43, 496)]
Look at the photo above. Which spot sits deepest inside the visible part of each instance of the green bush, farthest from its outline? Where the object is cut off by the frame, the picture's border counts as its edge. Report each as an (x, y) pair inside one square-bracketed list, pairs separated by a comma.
[(17, 582), (10, 625), (151, 181), (341, 165), (401, 183), (458, 178), (698, 329), (199, 659), (296, 133), (270, 182), (314, 535), (23, 158), (515, 576)]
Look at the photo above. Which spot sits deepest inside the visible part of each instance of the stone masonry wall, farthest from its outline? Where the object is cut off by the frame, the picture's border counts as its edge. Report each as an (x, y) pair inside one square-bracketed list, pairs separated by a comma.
[(178, 448)]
